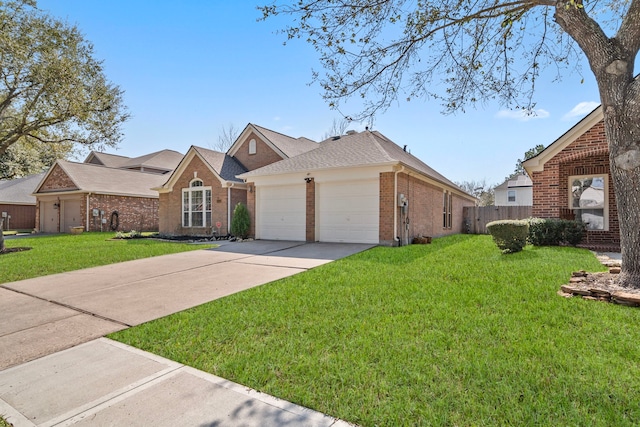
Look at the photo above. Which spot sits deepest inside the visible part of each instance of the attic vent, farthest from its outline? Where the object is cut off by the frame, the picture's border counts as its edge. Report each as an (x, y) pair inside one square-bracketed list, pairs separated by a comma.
[(351, 132), (335, 138)]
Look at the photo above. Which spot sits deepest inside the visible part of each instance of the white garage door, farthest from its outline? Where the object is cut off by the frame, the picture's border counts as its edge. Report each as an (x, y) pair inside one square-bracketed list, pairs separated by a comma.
[(281, 212), (72, 215), (349, 211), (48, 217)]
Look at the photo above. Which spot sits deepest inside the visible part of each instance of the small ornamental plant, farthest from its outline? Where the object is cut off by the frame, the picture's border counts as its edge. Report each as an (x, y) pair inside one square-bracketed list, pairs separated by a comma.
[(240, 223), (509, 235)]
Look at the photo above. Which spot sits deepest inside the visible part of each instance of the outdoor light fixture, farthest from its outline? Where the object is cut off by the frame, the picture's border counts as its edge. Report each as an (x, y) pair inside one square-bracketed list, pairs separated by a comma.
[(308, 180)]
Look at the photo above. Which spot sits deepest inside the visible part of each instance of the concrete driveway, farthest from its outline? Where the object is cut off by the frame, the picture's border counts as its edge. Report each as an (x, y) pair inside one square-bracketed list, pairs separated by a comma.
[(47, 314), (56, 370)]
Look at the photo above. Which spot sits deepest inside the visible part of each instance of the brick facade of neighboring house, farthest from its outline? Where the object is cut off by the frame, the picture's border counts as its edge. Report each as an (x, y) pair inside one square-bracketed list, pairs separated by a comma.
[(580, 155), (215, 173), (101, 198)]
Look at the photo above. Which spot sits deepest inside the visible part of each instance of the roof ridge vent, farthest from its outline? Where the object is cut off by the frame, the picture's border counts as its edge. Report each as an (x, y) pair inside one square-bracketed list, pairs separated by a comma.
[(335, 138), (351, 132)]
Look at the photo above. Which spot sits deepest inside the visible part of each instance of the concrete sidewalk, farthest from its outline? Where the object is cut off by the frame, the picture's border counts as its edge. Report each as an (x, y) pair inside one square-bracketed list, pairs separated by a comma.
[(40, 317)]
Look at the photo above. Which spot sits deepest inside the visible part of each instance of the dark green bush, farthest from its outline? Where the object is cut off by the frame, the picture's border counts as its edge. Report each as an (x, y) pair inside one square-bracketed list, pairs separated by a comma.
[(240, 223), (510, 235), (545, 232), (553, 232)]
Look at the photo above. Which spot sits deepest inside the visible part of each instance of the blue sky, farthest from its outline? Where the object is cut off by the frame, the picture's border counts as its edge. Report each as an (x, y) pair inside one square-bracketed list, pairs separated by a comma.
[(192, 67)]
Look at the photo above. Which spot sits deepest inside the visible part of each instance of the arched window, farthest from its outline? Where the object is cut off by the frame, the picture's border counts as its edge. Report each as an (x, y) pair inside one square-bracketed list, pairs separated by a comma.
[(252, 146), (196, 205)]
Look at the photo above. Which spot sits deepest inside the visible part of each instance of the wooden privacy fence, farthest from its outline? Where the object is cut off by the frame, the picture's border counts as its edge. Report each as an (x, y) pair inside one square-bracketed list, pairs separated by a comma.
[(476, 218)]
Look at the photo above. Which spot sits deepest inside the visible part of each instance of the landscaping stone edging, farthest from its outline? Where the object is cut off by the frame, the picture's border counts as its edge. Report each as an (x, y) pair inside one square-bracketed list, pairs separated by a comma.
[(579, 285)]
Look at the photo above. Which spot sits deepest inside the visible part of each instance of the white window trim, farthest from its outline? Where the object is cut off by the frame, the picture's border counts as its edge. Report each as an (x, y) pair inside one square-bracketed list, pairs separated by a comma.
[(252, 146), (515, 194), (189, 190), (606, 195)]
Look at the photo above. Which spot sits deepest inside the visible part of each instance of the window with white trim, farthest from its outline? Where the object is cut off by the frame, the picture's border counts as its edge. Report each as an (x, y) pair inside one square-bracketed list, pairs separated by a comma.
[(511, 195), (588, 199), (196, 205), (447, 208), (252, 146)]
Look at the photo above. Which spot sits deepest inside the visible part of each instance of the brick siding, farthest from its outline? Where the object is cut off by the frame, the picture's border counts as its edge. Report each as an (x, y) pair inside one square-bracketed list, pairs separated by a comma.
[(134, 213), (264, 154), (587, 155), (57, 180)]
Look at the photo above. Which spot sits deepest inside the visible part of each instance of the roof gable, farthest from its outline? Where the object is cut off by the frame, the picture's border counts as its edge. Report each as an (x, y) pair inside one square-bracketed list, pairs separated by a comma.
[(285, 146), (87, 177), (105, 159), (223, 166), (536, 163)]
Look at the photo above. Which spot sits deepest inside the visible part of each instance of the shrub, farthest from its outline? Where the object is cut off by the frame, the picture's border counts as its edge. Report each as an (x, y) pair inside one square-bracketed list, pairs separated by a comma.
[(573, 231), (241, 222), (133, 234), (510, 235), (545, 232), (553, 232)]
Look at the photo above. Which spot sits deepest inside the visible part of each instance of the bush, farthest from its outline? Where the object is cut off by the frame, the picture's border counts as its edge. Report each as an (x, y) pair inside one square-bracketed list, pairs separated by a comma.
[(545, 232), (553, 232), (241, 222), (510, 235)]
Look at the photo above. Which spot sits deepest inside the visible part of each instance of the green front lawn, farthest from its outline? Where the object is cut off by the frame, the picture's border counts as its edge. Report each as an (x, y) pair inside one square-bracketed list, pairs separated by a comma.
[(65, 252), (451, 333)]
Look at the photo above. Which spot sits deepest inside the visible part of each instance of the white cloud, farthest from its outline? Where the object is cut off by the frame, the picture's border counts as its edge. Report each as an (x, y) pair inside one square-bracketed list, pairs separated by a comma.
[(276, 118), (582, 109), (523, 115)]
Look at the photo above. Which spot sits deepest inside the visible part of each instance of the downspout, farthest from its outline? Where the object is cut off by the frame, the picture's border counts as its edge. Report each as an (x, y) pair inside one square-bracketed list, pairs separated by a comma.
[(395, 205)]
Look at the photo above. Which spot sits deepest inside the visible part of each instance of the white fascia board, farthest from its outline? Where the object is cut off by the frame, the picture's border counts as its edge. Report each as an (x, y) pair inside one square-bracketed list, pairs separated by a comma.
[(536, 164), (380, 167)]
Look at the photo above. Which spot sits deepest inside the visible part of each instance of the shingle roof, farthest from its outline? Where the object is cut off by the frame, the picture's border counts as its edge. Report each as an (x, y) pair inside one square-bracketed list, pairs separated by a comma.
[(108, 160), (358, 149), (224, 165), (104, 180), (289, 146), (165, 159), (18, 191)]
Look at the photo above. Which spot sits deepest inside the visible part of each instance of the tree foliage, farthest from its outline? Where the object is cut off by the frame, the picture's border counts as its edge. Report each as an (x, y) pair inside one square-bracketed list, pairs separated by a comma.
[(483, 191), (519, 169), (31, 157), (241, 222), (52, 89), (464, 52)]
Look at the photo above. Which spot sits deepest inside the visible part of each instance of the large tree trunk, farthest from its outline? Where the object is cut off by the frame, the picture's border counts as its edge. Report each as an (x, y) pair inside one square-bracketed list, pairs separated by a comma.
[(623, 135)]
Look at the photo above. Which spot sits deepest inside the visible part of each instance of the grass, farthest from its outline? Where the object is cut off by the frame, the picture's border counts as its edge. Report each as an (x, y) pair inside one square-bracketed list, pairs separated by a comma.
[(4, 423), (452, 333), (64, 252)]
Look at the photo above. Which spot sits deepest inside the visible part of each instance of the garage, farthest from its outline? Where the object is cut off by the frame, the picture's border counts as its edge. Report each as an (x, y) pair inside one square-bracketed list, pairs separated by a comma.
[(281, 212), (348, 211), (72, 215), (48, 217)]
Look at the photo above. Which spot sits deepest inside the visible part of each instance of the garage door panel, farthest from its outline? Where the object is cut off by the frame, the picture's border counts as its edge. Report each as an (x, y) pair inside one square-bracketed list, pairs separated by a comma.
[(349, 212), (281, 213)]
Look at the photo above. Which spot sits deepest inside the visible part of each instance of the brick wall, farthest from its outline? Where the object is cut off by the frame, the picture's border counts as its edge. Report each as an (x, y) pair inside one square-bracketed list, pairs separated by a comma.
[(587, 155), (57, 180), (134, 213), (311, 211), (264, 154), (424, 212), (170, 222)]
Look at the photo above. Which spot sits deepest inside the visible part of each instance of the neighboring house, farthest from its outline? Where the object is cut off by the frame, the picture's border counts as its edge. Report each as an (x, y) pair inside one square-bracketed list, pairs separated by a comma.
[(571, 179), (107, 192), (515, 192), (203, 190), (17, 204), (359, 188)]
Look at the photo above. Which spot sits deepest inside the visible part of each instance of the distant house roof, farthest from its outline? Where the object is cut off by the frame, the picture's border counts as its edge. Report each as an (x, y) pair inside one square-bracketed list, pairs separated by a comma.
[(19, 191), (284, 145), (163, 160), (94, 178), (519, 182), (353, 150)]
